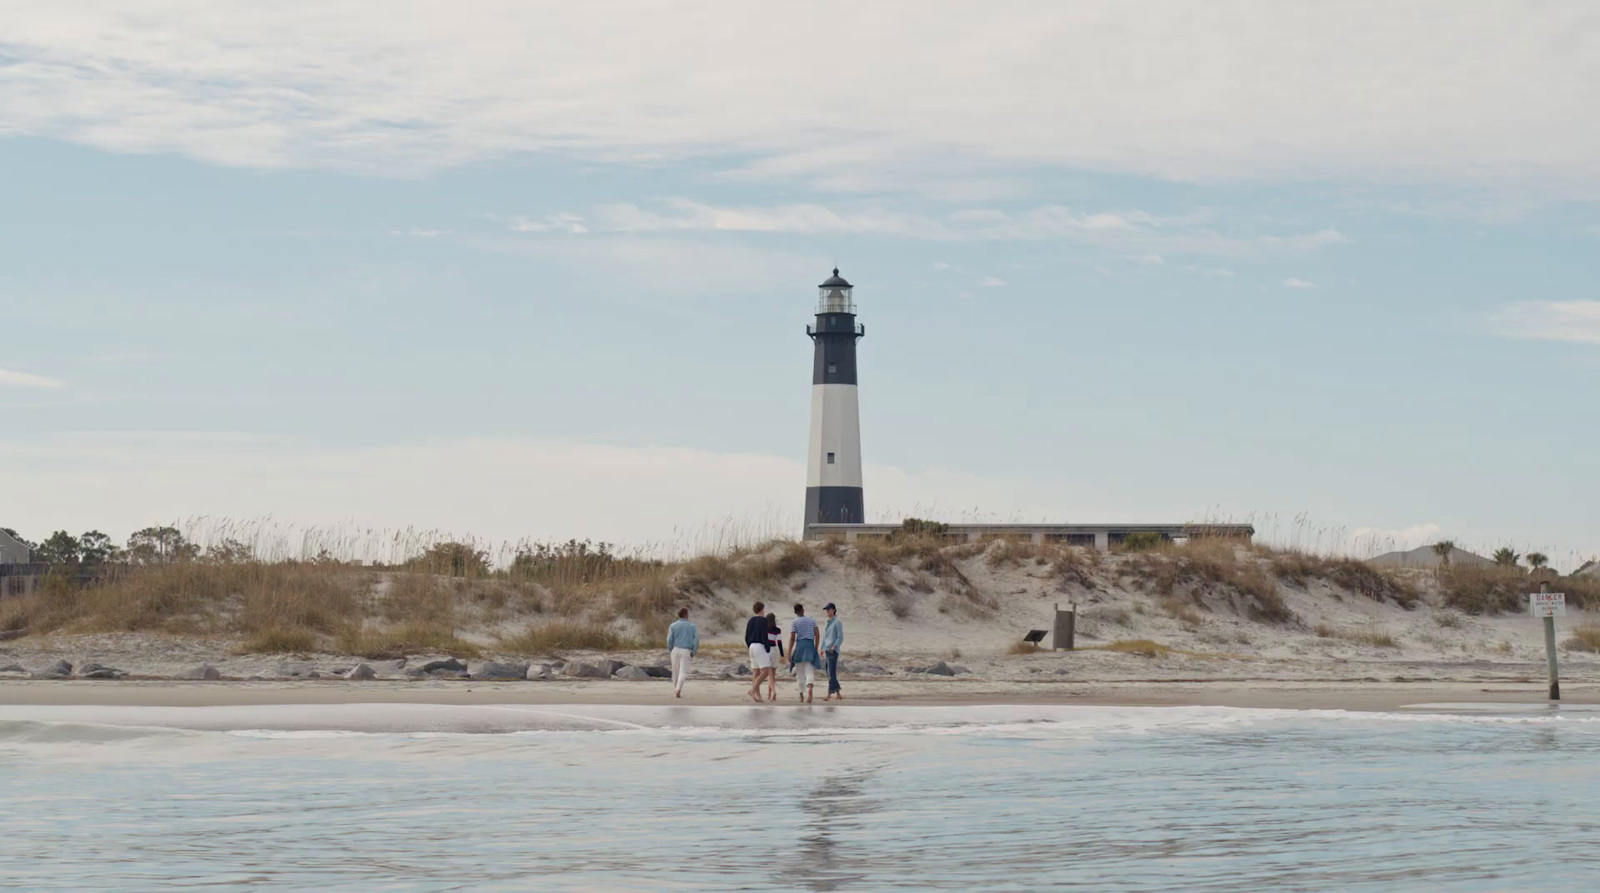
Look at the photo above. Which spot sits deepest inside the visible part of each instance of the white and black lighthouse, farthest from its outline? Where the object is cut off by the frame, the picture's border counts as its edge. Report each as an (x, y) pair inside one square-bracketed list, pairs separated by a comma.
[(833, 474)]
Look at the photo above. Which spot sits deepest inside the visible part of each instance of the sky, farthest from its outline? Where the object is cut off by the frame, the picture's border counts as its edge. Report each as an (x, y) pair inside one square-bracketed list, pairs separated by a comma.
[(542, 270)]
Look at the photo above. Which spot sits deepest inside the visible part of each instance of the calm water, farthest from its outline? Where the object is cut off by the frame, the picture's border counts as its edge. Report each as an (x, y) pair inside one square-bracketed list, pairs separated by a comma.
[(843, 799)]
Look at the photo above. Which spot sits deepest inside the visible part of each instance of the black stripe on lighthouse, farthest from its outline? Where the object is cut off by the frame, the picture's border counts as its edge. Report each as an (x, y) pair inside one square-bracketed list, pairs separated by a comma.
[(835, 354)]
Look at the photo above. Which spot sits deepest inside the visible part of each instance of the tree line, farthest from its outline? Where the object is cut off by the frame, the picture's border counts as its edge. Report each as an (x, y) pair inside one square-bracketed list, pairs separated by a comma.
[(152, 545)]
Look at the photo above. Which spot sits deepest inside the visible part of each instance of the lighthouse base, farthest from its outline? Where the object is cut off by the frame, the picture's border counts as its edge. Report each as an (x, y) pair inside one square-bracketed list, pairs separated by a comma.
[(835, 505)]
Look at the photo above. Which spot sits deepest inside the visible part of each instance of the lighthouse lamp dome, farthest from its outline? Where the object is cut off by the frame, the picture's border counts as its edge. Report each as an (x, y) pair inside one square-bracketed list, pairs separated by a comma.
[(835, 295)]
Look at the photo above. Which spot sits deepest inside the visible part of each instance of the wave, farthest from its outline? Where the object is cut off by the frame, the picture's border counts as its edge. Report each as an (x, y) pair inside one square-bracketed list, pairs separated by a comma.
[(104, 724)]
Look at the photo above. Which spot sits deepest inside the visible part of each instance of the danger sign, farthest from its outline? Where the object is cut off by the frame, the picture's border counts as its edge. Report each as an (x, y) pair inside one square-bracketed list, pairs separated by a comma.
[(1547, 604)]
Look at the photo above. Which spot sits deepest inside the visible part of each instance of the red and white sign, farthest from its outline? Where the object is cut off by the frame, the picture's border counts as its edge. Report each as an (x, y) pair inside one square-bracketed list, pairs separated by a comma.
[(1547, 604)]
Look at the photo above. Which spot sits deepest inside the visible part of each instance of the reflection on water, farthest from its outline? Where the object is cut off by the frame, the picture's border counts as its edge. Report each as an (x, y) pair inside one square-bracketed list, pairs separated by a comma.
[(1094, 799), (833, 809)]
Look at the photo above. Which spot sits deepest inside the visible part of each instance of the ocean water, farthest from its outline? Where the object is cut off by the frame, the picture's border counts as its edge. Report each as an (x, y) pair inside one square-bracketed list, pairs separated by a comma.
[(386, 797)]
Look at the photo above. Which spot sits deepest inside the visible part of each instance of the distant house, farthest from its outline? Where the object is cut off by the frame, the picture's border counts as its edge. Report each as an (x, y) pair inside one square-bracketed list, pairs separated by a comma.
[(1424, 556), (12, 551), (1590, 568)]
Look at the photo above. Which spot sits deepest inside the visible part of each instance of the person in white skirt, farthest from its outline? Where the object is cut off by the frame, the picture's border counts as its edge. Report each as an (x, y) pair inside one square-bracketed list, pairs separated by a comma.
[(755, 639)]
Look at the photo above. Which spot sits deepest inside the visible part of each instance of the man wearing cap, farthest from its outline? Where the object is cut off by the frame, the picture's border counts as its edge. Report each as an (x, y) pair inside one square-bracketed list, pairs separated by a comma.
[(832, 641)]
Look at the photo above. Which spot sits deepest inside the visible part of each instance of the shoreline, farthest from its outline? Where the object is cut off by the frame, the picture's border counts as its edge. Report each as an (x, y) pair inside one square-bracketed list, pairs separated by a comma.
[(1282, 695)]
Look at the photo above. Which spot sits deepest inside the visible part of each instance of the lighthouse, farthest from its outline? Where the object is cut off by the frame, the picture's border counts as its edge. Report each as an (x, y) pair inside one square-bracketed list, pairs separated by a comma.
[(833, 471)]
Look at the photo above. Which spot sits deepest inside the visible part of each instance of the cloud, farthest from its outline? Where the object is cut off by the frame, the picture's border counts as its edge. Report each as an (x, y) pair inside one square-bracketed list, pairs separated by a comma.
[(658, 266), (1293, 282), (10, 379), (419, 232), (991, 282), (552, 223), (1375, 540), (1145, 232), (1550, 321), (940, 265), (1232, 90)]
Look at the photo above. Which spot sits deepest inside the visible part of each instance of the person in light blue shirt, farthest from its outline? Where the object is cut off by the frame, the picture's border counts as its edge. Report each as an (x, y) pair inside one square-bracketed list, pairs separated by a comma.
[(832, 641), (683, 641)]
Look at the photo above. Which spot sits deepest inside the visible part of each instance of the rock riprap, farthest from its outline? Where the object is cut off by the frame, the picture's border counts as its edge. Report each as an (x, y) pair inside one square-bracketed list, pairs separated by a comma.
[(585, 670), (493, 670), (99, 671)]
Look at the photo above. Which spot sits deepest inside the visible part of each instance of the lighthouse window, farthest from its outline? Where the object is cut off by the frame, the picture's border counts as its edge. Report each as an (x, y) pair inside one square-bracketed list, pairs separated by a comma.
[(830, 458), (833, 367)]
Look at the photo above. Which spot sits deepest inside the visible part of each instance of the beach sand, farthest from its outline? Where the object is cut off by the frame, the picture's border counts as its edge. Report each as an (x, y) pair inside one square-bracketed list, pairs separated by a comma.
[(1259, 693)]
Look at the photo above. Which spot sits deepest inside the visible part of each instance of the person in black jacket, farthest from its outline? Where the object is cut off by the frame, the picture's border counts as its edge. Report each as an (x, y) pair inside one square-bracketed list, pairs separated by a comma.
[(760, 648)]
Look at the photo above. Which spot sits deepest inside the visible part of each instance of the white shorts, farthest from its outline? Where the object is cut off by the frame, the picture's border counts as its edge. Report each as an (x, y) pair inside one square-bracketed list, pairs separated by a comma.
[(760, 657)]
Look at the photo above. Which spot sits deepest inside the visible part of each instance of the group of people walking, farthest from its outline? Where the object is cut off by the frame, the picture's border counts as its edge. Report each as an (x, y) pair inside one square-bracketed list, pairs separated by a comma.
[(812, 648)]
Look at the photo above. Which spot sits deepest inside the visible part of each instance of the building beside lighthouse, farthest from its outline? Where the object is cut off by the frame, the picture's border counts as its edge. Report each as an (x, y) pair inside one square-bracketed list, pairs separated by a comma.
[(833, 469), (835, 501)]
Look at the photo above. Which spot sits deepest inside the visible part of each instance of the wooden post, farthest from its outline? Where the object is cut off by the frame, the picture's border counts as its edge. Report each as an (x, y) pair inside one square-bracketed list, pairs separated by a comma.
[(1065, 630), (1550, 649)]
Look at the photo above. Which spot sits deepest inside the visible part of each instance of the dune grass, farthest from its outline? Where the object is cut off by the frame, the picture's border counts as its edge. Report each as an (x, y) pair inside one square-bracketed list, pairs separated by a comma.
[(1496, 589), (1370, 637), (1584, 638), (564, 635)]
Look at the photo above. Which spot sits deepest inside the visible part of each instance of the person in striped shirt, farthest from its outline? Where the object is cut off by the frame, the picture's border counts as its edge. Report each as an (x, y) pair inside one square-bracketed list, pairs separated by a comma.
[(805, 657)]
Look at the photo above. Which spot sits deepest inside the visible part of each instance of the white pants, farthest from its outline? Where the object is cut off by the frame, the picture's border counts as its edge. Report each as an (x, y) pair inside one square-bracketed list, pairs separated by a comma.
[(680, 667), (802, 675)]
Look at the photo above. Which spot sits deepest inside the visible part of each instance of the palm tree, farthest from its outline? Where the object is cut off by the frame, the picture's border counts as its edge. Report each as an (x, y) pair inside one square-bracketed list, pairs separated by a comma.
[(1537, 560), (1443, 548), (1505, 557)]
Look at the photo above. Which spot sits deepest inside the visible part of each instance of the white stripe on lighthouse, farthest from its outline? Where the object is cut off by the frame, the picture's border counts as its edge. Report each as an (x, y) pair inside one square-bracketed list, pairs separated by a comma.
[(836, 429)]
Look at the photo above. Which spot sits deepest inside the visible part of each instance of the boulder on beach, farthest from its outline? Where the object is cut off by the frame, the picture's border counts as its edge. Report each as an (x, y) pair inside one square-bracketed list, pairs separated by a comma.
[(940, 669), (416, 673), (448, 663), (538, 672), (584, 670), (99, 671), (631, 673), (449, 674), (658, 672), (362, 672), (12, 668), (612, 666), (960, 670), (59, 670), (855, 668), (493, 670)]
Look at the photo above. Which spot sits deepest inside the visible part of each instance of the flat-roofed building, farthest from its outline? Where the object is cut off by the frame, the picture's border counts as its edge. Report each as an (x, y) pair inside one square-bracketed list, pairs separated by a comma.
[(1099, 536)]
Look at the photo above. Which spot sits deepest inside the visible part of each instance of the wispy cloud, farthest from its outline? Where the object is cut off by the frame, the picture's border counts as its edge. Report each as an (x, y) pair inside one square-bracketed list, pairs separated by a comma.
[(419, 232), (1550, 321), (424, 86), (1142, 231), (1296, 282), (551, 223), (991, 282), (1373, 540), (10, 379)]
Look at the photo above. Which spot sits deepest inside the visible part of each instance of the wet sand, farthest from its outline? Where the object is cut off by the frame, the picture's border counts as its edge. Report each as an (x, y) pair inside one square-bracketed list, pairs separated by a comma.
[(1295, 694)]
